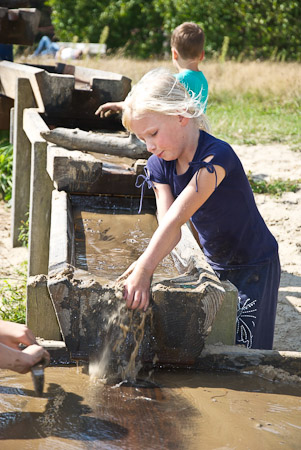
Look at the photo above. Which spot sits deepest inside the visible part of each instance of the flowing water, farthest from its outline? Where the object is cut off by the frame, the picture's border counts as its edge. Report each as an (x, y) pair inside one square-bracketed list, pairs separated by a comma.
[(177, 410), (107, 242)]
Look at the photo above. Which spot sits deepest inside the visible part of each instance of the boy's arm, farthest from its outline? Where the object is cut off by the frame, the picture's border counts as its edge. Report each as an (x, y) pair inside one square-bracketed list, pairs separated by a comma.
[(167, 235), (109, 107)]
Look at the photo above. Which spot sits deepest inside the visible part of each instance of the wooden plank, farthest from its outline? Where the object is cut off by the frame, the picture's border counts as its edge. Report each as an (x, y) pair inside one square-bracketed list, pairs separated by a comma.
[(11, 72)]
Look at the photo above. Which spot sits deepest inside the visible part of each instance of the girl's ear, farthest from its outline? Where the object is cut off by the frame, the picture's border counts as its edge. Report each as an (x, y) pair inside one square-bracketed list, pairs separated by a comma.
[(183, 120)]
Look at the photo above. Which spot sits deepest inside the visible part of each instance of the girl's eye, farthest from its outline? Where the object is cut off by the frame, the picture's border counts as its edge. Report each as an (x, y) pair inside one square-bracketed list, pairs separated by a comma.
[(154, 134)]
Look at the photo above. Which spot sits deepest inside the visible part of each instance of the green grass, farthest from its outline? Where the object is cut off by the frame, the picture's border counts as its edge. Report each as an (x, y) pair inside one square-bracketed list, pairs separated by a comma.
[(253, 119), (6, 166), (273, 187), (24, 231), (13, 295)]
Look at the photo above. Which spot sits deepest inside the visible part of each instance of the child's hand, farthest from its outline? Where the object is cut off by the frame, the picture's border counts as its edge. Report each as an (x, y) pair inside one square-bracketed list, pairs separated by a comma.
[(12, 334), (136, 288), (34, 354), (128, 271), (22, 361), (108, 109)]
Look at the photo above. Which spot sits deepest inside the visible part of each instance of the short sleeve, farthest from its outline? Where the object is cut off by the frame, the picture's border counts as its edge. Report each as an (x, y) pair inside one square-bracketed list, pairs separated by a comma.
[(224, 156), (157, 170)]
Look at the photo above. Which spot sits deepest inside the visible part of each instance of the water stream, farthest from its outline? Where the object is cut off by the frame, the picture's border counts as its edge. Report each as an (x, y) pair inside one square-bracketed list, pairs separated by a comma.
[(108, 242)]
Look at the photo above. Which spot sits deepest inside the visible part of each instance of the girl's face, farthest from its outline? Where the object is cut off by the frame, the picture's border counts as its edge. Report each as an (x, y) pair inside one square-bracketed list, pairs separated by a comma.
[(164, 136)]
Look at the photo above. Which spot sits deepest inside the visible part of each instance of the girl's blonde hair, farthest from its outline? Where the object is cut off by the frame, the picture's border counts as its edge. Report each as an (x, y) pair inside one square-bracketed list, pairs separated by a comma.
[(160, 92)]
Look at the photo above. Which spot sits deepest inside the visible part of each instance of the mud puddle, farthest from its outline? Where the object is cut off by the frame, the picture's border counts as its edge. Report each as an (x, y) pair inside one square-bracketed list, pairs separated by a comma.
[(177, 410)]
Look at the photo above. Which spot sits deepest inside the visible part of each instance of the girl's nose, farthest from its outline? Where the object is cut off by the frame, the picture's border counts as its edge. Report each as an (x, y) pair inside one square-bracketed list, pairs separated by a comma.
[(150, 147)]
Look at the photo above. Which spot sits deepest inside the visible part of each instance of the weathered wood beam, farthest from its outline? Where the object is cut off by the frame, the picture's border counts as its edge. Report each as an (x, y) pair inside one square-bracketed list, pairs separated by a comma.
[(76, 139)]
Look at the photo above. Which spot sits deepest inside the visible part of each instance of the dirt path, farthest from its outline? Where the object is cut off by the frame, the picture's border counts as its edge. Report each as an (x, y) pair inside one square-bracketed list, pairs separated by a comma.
[(283, 216)]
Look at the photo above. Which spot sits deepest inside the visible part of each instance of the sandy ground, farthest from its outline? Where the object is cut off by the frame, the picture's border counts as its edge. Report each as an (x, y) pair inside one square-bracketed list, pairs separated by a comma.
[(283, 216)]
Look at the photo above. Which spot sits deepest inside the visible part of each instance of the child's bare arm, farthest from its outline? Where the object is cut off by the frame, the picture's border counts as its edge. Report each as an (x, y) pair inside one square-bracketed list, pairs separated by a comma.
[(21, 361), (167, 235), (11, 356), (12, 334), (109, 107)]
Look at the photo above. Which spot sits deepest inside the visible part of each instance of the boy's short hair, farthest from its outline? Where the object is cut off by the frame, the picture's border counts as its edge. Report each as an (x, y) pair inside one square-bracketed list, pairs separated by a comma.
[(188, 39)]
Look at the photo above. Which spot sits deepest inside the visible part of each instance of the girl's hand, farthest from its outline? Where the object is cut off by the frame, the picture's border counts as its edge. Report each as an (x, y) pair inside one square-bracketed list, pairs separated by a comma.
[(128, 271), (137, 287)]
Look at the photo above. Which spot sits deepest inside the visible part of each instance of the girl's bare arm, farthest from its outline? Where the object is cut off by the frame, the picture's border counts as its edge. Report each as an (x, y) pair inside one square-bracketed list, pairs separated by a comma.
[(167, 235)]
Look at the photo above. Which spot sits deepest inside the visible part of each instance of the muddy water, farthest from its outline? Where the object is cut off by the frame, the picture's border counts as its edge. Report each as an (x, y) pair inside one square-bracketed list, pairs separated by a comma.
[(180, 410), (177, 410), (107, 242)]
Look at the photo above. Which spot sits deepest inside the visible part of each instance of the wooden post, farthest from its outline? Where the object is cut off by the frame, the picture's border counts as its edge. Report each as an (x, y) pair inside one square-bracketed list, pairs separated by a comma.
[(40, 315), (40, 196), (21, 160)]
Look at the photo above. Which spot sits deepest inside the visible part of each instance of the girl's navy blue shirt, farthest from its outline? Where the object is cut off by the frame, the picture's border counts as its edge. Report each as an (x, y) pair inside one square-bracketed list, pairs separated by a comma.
[(231, 230)]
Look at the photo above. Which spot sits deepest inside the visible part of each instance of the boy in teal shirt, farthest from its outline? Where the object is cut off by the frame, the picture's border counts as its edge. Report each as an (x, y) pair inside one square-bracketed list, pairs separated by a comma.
[(187, 49)]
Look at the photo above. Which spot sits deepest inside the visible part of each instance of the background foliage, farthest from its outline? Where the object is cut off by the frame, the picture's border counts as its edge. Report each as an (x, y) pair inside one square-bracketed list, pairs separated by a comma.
[(6, 166), (266, 29)]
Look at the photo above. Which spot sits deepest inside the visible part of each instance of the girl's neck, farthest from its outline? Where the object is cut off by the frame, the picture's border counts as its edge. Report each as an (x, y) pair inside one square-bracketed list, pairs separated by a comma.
[(188, 153)]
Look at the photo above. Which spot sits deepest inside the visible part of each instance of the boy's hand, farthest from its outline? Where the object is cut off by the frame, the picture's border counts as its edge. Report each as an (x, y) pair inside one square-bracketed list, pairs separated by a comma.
[(34, 354), (108, 109)]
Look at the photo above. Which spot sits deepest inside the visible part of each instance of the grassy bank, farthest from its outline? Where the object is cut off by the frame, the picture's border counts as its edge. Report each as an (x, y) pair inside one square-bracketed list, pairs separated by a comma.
[(249, 103)]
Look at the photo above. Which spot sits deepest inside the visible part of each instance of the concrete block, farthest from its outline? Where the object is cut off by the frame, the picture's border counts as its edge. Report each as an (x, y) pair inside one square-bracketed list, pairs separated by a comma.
[(40, 211), (72, 171), (11, 125), (19, 26)]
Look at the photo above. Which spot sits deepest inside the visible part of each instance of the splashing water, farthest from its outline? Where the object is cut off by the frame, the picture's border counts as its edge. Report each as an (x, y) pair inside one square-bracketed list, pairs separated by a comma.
[(119, 356)]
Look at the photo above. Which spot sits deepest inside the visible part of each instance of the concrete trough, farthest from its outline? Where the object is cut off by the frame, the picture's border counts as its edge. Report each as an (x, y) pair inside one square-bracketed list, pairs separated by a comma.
[(183, 308)]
